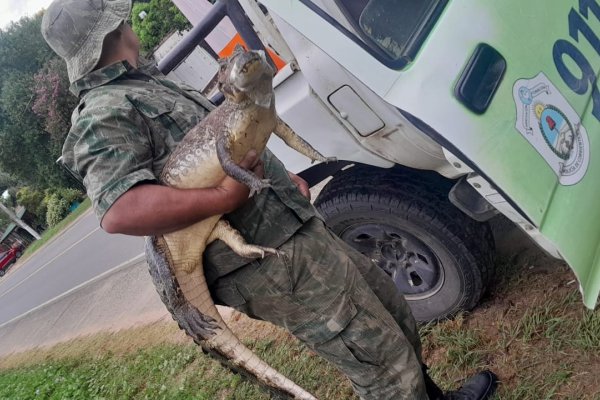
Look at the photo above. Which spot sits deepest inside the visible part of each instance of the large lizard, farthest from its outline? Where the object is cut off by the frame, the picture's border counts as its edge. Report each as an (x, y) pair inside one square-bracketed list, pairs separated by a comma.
[(244, 121)]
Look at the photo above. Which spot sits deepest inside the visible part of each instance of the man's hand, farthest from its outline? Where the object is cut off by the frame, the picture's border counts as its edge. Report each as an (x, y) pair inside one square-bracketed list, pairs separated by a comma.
[(301, 184)]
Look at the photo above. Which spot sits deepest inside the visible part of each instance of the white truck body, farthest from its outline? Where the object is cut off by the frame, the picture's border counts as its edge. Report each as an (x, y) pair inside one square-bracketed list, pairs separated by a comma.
[(346, 91)]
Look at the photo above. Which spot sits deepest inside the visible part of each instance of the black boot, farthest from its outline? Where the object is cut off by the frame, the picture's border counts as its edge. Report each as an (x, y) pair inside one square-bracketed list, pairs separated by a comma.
[(480, 386)]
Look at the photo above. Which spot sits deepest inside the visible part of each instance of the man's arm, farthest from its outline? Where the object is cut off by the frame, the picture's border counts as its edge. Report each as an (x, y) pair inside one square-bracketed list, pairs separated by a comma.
[(149, 209)]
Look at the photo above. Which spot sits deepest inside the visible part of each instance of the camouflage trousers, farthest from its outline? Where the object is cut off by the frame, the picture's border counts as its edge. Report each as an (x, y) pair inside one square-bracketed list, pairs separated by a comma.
[(340, 304)]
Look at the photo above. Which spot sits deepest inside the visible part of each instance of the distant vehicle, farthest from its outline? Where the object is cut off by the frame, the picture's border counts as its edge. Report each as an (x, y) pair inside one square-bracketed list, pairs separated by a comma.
[(9, 257)]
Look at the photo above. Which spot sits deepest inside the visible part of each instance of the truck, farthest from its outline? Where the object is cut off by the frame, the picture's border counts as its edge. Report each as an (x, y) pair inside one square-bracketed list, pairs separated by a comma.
[(443, 115)]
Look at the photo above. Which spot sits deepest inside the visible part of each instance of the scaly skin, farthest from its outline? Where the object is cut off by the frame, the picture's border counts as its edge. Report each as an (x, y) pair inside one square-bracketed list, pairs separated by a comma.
[(209, 151)]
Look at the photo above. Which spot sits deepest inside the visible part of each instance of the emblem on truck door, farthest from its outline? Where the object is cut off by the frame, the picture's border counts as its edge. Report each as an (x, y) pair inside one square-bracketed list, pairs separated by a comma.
[(552, 127)]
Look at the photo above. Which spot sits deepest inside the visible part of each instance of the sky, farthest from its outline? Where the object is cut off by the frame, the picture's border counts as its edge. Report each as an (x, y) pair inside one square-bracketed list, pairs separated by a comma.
[(13, 10)]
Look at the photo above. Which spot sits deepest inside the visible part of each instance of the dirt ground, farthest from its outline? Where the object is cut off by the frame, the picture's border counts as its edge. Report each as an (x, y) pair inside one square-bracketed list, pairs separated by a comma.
[(533, 356), (531, 327)]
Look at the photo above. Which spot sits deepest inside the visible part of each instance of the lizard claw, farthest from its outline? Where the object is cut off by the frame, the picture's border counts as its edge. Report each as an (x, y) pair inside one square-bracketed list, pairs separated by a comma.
[(259, 185), (254, 251), (324, 159)]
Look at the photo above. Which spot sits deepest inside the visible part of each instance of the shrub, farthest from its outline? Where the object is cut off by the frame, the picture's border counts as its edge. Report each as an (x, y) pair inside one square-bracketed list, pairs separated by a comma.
[(58, 201), (58, 209)]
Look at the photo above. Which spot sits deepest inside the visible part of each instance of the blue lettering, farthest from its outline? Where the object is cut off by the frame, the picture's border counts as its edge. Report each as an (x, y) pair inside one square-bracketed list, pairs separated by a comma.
[(579, 81)]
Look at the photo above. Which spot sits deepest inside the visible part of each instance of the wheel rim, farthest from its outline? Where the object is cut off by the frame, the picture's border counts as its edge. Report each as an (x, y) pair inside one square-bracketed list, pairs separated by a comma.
[(409, 261)]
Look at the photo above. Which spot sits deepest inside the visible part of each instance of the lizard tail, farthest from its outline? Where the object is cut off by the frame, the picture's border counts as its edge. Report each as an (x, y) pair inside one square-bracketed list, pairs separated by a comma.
[(188, 299)]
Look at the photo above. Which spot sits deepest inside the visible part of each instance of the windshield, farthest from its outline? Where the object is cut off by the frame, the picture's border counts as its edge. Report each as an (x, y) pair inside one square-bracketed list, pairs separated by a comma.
[(391, 30), (393, 25)]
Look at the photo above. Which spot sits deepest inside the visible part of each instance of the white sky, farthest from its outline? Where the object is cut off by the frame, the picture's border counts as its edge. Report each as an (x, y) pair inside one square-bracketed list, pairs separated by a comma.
[(13, 10)]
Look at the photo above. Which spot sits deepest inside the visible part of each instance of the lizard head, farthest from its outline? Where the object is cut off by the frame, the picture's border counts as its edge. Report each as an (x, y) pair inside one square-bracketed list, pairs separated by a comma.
[(246, 75)]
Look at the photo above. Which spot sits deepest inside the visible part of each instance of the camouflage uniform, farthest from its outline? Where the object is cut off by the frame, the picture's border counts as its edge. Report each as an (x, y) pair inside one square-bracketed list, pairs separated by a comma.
[(323, 291)]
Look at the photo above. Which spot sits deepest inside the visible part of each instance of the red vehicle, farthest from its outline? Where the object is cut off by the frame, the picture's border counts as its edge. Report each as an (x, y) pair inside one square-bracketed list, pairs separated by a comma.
[(9, 257)]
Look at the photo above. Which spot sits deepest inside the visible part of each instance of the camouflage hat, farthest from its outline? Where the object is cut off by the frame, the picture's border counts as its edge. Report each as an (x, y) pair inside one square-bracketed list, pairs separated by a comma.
[(75, 30)]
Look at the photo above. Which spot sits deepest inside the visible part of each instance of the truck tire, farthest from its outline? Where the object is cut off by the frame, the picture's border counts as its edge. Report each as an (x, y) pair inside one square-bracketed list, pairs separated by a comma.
[(438, 257)]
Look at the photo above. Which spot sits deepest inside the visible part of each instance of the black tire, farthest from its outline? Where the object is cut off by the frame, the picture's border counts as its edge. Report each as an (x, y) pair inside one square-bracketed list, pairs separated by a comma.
[(2, 272), (18, 254), (439, 258)]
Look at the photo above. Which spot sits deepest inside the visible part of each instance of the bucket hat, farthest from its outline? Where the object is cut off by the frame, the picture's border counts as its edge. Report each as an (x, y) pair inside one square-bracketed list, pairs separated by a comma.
[(75, 30)]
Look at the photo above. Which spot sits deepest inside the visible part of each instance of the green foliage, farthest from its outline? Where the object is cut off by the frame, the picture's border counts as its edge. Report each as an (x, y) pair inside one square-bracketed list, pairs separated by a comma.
[(33, 201), (53, 102), (162, 17), (58, 208), (27, 151), (58, 202), (6, 181), (167, 371), (22, 47), (4, 221)]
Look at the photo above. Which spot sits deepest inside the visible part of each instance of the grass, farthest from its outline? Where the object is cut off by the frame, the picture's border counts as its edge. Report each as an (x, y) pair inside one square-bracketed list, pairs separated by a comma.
[(585, 335), (155, 363), (51, 232), (532, 330)]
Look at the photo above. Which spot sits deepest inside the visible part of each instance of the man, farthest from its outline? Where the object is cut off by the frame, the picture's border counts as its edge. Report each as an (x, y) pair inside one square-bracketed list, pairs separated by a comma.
[(331, 297)]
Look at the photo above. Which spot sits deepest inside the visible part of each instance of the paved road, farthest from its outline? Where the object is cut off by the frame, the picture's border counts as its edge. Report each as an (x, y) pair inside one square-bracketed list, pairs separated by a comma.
[(81, 253)]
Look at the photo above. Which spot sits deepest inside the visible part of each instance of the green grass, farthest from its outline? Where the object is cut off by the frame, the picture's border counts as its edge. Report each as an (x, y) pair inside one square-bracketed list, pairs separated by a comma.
[(533, 331), (51, 232), (166, 371), (537, 387), (462, 346), (585, 335)]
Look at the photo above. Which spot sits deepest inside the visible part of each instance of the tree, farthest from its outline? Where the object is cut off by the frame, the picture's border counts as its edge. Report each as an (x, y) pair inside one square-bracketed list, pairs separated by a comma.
[(34, 202), (7, 181), (28, 151), (22, 47), (52, 101), (25, 150), (161, 18)]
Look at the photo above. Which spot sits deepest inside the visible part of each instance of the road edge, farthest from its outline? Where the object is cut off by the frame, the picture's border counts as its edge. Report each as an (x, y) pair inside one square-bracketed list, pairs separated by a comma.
[(127, 264)]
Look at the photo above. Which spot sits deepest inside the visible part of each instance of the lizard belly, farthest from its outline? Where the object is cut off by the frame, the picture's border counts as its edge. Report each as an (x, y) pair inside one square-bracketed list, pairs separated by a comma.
[(251, 132), (195, 173), (187, 245)]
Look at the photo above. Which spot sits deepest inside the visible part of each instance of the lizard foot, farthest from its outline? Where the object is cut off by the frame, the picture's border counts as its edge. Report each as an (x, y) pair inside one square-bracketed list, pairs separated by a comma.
[(259, 185), (253, 251), (324, 159)]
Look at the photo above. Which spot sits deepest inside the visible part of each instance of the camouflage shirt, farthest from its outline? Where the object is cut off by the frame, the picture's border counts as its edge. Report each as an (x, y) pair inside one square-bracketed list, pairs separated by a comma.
[(127, 123), (125, 126)]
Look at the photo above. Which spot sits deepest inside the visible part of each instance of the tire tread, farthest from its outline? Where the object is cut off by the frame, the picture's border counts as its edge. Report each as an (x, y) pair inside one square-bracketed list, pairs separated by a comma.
[(404, 193)]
